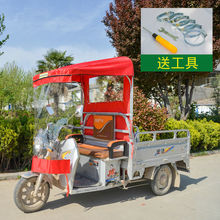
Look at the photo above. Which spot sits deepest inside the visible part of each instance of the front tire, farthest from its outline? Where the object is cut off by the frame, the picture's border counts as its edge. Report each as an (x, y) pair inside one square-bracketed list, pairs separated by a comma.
[(162, 181), (23, 194)]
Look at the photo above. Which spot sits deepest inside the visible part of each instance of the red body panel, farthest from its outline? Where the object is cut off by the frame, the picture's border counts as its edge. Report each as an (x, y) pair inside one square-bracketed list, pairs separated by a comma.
[(50, 166)]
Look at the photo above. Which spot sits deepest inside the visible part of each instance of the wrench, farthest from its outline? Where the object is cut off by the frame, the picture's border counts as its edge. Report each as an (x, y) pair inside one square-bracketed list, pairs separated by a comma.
[(167, 33)]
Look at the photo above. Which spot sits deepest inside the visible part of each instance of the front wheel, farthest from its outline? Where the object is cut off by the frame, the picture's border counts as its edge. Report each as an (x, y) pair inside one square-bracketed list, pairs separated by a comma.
[(24, 198), (162, 181)]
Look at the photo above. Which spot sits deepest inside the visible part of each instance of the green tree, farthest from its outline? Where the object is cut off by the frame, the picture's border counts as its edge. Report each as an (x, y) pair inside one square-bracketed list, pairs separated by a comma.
[(15, 87), (2, 28), (52, 60), (122, 21)]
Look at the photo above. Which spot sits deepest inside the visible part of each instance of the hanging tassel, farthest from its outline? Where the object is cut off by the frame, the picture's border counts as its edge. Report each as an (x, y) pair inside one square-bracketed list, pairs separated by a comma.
[(67, 186)]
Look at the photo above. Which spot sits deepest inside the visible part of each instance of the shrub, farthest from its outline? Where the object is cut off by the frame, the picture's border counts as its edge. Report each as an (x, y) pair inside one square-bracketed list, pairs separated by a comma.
[(16, 139), (8, 146), (147, 116), (205, 135), (16, 129), (212, 137)]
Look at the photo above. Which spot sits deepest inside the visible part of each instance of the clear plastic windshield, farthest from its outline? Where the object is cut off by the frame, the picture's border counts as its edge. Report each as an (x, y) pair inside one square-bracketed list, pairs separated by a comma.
[(54, 102)]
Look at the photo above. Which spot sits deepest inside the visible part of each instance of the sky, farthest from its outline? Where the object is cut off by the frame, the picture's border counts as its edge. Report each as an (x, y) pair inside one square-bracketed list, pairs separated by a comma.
[(34, 27)]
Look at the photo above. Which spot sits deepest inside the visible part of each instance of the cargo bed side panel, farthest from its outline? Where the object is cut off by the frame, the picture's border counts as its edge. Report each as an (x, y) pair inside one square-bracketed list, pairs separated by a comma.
[(155, 153)]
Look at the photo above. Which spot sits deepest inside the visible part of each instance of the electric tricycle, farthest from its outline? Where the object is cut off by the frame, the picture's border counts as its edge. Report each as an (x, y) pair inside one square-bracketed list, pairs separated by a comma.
[(104, 150)]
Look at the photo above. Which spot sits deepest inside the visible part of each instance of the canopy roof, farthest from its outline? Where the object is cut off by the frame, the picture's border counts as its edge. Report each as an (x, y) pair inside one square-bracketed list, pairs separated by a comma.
[(74, 73)]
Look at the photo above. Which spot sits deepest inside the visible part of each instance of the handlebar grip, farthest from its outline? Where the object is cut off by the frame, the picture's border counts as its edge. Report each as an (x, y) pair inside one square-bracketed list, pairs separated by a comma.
[(166, 44)]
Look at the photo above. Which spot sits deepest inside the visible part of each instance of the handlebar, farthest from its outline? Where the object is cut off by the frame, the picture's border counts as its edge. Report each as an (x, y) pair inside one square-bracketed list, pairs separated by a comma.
[(74, 127), (51, 133)]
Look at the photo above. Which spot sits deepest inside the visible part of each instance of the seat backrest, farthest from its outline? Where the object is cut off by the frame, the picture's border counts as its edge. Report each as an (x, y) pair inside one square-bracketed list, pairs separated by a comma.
[(119, 131), (103, 130), (103, 127)]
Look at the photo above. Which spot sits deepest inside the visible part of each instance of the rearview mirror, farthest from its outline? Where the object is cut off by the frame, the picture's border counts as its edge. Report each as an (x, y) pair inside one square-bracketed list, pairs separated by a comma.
[(50, 110)]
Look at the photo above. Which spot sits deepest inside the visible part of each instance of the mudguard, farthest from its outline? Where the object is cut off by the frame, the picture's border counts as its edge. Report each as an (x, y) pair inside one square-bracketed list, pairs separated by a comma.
[(30, 174), (151, 171)]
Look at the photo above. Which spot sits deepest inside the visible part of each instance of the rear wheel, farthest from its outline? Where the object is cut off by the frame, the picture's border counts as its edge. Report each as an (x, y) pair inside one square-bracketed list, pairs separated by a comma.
[(162, 181), (24, 198)]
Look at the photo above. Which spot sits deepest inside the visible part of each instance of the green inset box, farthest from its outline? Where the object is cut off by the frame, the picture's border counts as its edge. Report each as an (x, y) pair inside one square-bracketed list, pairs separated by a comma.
[(176, 63)]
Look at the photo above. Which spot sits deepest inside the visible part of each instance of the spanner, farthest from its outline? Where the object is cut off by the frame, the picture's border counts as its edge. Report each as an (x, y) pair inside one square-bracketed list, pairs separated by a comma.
[(167, 33)]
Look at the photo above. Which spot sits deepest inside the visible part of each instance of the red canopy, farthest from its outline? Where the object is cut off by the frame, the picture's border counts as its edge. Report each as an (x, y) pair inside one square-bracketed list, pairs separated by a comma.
[(114, 66), (81, 72)]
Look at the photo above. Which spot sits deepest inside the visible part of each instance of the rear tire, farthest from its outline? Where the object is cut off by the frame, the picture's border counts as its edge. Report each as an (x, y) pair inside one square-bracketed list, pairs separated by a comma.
[(23, 194), (162, 181)]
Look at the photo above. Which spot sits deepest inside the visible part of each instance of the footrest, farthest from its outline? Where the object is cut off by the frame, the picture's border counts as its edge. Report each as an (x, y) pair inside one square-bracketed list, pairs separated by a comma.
[(83, 182)]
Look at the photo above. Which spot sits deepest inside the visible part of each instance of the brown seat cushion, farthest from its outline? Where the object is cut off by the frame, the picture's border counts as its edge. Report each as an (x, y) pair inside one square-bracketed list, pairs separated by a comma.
[(98, 152)]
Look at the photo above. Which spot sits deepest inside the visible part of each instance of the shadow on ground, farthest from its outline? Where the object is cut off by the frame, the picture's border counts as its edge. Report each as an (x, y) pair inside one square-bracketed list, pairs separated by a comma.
[(186, 181), (93, 199)]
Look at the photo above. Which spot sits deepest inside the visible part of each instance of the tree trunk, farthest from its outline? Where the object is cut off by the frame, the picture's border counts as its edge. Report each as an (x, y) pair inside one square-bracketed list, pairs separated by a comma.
[(185, 110), (16, 166), (8, 162), (180, 92), (165, 97), (56, 102), (2, 163)]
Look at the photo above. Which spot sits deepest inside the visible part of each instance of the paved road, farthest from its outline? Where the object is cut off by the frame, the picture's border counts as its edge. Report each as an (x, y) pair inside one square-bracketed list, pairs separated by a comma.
[(197, 198)]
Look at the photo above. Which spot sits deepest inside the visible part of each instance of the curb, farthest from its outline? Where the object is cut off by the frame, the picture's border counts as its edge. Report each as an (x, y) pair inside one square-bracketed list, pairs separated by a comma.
[(15, 176), (205, 153), (11, 176)]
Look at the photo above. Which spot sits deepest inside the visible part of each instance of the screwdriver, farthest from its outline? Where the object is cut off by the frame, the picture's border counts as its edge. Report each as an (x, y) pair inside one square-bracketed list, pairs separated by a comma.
[(162, 41)]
